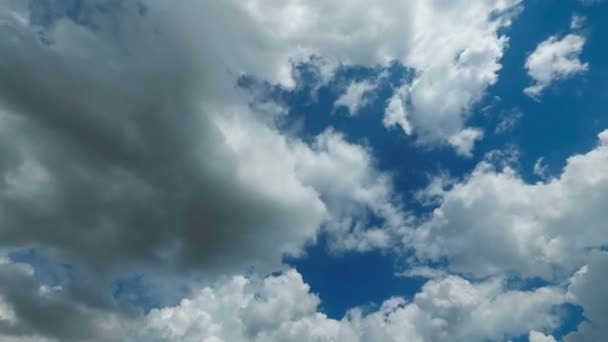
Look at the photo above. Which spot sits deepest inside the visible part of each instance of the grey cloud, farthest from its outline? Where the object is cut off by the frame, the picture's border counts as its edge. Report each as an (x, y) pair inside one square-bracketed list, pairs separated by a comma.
[(114, 155)]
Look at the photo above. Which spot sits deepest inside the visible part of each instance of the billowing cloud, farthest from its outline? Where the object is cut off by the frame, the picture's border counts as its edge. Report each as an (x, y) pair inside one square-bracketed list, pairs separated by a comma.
[(145, 134), (281, 308), (132, 137), (494, 222), (554, 59), (536, 336), (464, 141), (126, 142)]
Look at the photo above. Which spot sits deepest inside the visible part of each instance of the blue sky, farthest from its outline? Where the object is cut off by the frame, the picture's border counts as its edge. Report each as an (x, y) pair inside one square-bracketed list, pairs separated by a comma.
[(185, 172)]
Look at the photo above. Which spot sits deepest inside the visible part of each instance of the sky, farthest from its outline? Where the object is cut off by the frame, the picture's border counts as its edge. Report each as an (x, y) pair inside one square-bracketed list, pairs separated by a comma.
[(303, 170)]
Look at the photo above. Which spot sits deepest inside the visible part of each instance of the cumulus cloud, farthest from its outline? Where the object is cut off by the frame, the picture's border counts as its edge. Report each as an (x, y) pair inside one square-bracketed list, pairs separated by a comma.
[(354, 192), (355, 97), (158, 157), (494, 222), (396, 114), (281, 308), (554, 59), (159, 143), (125, 141), (464, 141), (536, 336)]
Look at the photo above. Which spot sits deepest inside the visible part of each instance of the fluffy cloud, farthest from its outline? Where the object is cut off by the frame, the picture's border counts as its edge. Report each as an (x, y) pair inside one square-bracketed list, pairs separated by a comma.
[(456, 57), (494, 222), (124, 141), (277, 308), (355, 96), (536, 336), (159, 143), (555, 59), (281, 308), (353, 191), (464, 141), (158, 157)]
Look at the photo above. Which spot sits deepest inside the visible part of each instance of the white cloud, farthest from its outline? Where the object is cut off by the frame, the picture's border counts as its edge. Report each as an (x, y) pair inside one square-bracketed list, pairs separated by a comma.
[(355, 97), (494, 222), (150, 151), (536, 336), (464, 141), (353, 190), (555, 59), (281, 308), (456, 58), (396, 114)]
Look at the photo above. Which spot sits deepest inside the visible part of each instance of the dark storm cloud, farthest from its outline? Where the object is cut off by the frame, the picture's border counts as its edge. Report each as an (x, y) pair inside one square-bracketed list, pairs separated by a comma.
[(111, 156)]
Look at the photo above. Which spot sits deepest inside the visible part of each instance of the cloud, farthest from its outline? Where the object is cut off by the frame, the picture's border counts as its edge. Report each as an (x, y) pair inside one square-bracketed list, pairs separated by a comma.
[(464, 141), (31, 312), (456, 57), (494, 222), (554, 59), (158, 157), (355, 97), (396, 114), (536, 336), (158, 142), (281, 308), (588, 289)]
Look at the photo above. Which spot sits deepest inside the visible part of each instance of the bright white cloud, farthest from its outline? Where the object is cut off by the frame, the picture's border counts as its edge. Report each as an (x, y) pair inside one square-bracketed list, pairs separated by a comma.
[(555, 59), (355, 97), (180, 117), (464, 141), (353, 191), (281, 308), (536, 336), (456, 57), (160, 160), (494, 222)]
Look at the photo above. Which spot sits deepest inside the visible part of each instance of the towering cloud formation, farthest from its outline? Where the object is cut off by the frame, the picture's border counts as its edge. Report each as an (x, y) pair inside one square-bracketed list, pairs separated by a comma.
[(126, 142)]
